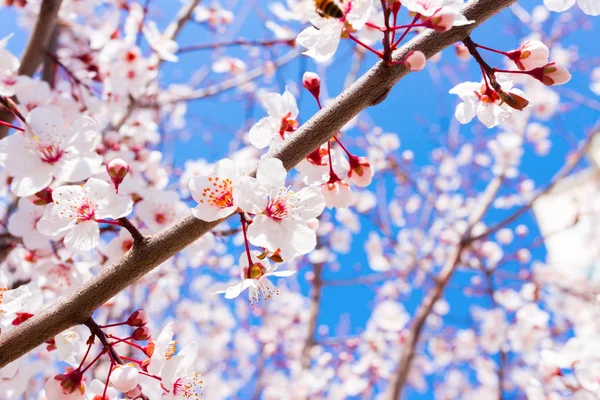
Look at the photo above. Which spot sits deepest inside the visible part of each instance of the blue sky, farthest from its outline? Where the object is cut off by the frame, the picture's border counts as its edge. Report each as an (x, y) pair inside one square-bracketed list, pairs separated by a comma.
[(414, 99)]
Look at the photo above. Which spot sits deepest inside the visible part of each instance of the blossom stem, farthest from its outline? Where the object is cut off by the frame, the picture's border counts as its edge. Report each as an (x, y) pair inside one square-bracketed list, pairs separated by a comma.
[(414, 21), (97, 331), (135, 233), (150, 375), (105, 221), (3, 123), (342, 146), (131, 359), (485, 67), (243, 222), (379, 54), (409, 26), (332, 174), (110, 370), (506, 71), (126, 341), (112, 325), (375, 26), (93, 361), (86, 353), (504, 53), (12, 107), (395, 16)]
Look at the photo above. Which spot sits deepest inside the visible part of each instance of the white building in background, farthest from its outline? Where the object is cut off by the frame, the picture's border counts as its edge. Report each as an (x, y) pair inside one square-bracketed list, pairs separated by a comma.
[(569, 221)]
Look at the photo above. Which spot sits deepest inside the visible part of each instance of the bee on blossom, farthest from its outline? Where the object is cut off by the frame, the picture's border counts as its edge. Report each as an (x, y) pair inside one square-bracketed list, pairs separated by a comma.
[(255, 278), (329, 8), (322, 38)]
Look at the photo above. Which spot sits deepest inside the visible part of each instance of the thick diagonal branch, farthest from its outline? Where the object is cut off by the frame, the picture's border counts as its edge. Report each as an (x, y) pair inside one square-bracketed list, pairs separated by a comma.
[(370, 89), (36, 48)]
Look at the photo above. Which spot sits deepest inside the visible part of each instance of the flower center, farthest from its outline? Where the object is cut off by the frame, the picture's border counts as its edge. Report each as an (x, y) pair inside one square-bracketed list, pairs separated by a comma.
[(487, 94), (277, 209), (220, 194), (186, 386), (287, 124), (255, 271), (50, 154), (86, 212)]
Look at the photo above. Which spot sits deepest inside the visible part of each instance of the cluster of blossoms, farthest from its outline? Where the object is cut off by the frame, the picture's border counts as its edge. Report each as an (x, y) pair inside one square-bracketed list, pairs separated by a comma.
[(87, 173)]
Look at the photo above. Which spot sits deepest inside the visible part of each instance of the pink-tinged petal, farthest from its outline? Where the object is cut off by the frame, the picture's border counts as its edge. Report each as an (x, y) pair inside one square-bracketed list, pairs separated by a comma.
[(304, 239), (589, 7), (289, 104), (282, 274), (46, 125), (250, 195), (84, 236), (271, 173), (74, 167), (273, 104), (27, 185), (559, 5), (51, 224), (234, 291), (264, 232), (262, 133), (84, 134), (311, 203), (209, 213)]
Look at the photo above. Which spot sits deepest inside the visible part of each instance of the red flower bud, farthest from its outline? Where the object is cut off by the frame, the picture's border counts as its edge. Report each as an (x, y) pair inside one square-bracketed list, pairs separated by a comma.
[(140, 334), (312, 83), (42, 197), (138, 318)]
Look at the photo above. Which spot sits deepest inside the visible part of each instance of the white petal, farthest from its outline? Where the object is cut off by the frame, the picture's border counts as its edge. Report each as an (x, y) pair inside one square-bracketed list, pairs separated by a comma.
[(27, 185), (261, 134), (271, 173), (589, 7), (84, 236), (559, 5)]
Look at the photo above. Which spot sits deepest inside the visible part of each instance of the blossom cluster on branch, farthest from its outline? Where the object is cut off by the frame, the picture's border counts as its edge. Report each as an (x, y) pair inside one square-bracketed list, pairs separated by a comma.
[(95, 165)]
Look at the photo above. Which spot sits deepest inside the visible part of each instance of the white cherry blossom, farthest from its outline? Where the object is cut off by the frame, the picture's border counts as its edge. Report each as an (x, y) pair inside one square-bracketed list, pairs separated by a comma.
[(49, 149), (215, 193), (255, 278), (272, 130), (9, 65), (162, 45), (76, 210), (589, 7), (283, 216)]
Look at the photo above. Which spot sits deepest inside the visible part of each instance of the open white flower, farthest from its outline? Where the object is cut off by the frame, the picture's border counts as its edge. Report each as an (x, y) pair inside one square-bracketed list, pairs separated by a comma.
[(77, 209), (282, 216), (255, 278), (215, 192), (9, 65), (159, 209), (271, 130), (11, 301), (178, 376), (322, 38), (162, 45), (480, 100), (22, 223), (163, 349), (589, 7), (50, 149)]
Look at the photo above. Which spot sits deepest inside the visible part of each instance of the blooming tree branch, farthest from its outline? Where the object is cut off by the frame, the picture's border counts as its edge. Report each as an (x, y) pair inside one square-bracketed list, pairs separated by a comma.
[(369, 90), (36, 48)]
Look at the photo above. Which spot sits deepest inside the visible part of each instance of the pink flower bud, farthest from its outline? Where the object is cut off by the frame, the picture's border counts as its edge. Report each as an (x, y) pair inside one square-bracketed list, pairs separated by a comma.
[(415, 61), (532, 54), (42, 197), (140, 334), (138, 318), (312, 83), (551, 74), (442, 20), (117, 170), (361, 171)]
